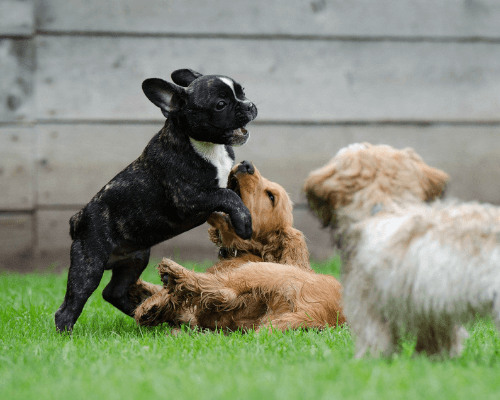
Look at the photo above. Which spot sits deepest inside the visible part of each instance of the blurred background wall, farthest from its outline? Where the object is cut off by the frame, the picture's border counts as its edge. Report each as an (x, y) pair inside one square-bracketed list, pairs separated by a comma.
[(324, 73)]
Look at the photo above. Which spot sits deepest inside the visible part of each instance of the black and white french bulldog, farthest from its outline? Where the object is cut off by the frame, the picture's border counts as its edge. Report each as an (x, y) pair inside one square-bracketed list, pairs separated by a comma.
[(174, 186)]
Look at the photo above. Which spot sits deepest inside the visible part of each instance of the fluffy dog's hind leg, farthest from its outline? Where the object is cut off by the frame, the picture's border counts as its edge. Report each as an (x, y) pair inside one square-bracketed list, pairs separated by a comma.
[(374, 336), (457, 346)]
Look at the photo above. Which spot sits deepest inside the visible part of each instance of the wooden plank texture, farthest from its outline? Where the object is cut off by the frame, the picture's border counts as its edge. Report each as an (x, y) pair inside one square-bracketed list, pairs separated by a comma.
[(17, 169), (16, 241), (77, 160), (449, 18), (52, 231), (17, 18), (17, 64), (289, 80), (54, 242)]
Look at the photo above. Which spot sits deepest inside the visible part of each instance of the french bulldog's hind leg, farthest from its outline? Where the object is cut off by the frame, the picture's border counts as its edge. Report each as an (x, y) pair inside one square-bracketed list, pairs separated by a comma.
[(85, 274), (125, 273)]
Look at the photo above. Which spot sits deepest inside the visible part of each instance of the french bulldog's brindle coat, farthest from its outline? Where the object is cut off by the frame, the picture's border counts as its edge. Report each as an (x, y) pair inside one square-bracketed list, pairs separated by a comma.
[(174, 186)]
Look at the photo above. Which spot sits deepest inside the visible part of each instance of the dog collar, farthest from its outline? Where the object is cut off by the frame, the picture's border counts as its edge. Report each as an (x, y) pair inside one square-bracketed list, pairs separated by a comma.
[(227, 252)]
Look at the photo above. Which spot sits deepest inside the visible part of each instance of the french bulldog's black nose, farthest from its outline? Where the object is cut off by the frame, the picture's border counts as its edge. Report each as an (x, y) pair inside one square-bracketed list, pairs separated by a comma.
[(246, 167), (253, 109)]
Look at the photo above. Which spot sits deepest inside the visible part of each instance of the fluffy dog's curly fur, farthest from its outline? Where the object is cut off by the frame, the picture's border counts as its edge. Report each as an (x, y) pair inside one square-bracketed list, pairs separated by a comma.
[(408, 266), (262, 293)]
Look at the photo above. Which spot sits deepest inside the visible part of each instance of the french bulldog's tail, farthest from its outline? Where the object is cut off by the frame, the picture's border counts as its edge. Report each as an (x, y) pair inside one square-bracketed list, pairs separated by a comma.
[(74, 224)]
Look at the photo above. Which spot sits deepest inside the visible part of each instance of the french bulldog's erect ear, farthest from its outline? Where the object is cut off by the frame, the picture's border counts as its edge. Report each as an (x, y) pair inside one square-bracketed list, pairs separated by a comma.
[(160, 93), (184, 77)]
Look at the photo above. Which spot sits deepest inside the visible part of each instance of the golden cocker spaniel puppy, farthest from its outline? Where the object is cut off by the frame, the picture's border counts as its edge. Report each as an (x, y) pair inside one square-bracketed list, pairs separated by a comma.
[(268, 279)]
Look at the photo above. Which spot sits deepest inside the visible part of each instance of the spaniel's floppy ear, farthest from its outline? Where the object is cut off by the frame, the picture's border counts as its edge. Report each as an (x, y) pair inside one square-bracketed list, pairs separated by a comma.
[(287, 247), (295, 249)]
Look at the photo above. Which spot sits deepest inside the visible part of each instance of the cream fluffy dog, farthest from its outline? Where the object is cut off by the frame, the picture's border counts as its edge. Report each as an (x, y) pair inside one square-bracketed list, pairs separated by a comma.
[(409, 267)]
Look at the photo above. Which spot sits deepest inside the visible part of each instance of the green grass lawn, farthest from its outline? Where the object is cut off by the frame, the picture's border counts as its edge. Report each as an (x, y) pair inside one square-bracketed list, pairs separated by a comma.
[(109, 357)]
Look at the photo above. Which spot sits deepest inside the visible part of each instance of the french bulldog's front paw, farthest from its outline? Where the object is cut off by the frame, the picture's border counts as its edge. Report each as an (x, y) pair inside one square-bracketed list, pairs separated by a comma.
[(244, 228)]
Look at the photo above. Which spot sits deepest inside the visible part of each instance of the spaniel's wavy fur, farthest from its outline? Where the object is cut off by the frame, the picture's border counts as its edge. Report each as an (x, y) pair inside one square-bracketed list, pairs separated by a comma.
[(258, 295)]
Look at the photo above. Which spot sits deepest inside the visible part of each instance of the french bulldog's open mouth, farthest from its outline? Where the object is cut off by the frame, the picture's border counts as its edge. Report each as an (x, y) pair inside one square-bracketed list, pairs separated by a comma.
[(240, 131), (240, 136)]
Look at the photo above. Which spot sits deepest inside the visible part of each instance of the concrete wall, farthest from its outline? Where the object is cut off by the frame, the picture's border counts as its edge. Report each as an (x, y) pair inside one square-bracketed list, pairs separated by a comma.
[(324, 73)]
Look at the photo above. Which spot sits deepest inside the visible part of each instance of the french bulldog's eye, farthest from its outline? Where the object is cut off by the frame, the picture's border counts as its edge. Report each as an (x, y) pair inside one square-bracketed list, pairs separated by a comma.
[(220, 105), (271, 197)]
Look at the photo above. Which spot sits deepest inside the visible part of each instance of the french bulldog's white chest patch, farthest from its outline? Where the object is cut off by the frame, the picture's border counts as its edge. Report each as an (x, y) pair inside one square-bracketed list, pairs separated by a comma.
[(217, 155)]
